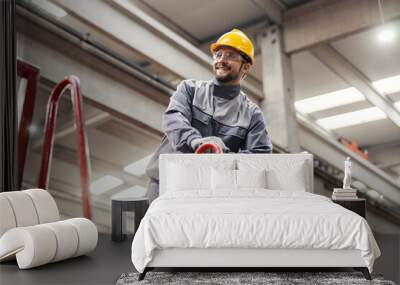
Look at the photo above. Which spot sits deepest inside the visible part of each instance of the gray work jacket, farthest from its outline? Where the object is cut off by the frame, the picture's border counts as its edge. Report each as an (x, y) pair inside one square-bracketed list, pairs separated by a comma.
[(205, 108)]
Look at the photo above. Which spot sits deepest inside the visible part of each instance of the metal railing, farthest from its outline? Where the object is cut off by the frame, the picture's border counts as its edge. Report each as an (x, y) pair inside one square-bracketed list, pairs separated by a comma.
[(70, 82)]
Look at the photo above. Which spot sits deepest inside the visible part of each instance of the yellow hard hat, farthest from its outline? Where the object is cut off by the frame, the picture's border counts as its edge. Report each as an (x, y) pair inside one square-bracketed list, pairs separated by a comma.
[(237, 40)]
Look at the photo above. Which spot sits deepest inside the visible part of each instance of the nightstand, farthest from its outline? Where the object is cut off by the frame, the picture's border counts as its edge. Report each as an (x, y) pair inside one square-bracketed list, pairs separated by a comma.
[(356, 205), (120, 205)]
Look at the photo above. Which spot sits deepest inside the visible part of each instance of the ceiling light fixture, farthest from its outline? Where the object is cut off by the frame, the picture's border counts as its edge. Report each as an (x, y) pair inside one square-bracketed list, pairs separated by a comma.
[(138, 167), (104, 184), (385, 86), (329, 100), (352, 118), (134, 191), (33, 129), (386, 34), (388, 85)]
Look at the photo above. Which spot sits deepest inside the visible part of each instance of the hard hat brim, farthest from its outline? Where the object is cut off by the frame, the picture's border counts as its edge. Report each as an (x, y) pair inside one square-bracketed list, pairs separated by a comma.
[(215, 46)]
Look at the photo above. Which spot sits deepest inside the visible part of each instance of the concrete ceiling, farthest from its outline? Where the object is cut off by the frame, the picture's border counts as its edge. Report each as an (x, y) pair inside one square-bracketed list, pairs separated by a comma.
[(373, 58), (205, 20), (312, 78)]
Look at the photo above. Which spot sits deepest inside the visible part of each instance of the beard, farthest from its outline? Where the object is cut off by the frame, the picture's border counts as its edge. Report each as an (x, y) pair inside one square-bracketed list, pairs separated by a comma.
[(228, 75)]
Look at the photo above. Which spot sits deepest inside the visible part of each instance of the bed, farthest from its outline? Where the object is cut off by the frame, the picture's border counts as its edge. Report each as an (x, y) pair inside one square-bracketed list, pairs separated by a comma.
[(241, 210)]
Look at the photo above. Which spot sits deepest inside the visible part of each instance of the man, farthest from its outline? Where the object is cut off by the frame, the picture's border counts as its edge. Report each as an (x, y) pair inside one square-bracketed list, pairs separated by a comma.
[(214, 111)]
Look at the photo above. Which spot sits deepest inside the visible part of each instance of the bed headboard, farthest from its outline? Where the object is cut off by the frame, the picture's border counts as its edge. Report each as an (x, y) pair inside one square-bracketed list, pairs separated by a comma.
[(269, 160)]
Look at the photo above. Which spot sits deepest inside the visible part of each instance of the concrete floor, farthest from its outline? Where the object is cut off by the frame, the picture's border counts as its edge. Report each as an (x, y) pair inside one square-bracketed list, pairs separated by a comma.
[(102, 266)]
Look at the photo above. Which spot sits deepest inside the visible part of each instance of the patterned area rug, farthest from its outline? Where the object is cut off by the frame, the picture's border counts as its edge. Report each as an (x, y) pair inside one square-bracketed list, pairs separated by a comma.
[(241, 278)]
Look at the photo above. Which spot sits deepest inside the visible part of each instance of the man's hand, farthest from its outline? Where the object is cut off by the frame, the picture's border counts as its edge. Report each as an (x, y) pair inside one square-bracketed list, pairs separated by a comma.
[(215, 140)]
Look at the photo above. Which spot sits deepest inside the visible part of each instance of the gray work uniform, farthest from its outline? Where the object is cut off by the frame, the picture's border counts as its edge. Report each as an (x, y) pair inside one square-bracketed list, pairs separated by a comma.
[(205, 108)]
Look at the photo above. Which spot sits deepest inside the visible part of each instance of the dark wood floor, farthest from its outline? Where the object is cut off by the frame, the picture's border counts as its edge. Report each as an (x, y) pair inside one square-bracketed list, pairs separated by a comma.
[(102, 266), (110, 259)]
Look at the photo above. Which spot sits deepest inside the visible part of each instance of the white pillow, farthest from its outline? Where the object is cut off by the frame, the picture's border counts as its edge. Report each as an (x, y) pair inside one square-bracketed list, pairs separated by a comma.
[(251, 178), (223, 179), (188, 172), (292, 180), (226, 179), (183, 177), (281, 174)]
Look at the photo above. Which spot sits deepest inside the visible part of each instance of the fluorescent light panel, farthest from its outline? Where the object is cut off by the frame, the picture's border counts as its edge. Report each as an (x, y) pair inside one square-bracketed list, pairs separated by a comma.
[(346, 96), (104, 184), (387, 35), (132, 192), (329, 100), (352, 118), (138, 167), (388, 85)]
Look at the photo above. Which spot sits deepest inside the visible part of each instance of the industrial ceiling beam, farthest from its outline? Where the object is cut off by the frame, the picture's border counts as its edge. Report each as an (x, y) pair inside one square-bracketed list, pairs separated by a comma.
[(388, 165), (137, 30), (99, 166), (350, 74), (324, 21), (63, 180), (385, 157), (322, 145), (70, 128), (271, 9), (105, 86), (167, 21)]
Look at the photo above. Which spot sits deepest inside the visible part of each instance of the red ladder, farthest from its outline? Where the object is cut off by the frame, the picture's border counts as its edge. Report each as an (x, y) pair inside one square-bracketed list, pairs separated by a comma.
[(69, 82)]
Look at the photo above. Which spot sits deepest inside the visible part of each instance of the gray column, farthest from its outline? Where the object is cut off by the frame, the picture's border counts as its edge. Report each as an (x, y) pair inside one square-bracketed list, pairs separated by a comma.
[(278, 102)]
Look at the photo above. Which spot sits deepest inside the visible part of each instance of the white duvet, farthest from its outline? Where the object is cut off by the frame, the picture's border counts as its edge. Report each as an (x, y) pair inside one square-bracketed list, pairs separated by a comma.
[(256, 218)]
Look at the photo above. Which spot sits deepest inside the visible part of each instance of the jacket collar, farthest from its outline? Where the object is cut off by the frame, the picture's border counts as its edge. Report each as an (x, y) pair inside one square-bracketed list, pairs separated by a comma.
[(225, 91)]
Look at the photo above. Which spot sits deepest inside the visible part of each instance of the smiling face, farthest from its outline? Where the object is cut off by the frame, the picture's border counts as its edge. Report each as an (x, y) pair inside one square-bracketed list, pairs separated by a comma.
[(229, 66)]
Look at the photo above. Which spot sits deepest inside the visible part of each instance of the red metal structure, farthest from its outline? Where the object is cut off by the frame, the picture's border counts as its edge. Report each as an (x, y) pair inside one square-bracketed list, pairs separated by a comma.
[(353, 146), (31, 74), (72, 83)]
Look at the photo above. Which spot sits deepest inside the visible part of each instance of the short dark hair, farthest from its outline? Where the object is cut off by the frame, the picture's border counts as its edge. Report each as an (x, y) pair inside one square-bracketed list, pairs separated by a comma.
[(246, 58)]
